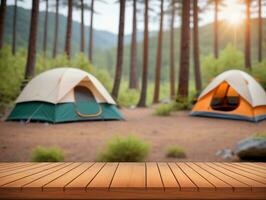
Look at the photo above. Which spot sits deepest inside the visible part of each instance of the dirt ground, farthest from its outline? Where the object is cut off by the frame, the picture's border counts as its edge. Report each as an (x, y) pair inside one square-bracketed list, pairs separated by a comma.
[(200, 137)]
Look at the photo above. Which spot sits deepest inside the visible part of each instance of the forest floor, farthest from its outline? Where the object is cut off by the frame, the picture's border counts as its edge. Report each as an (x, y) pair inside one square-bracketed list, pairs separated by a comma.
[(200, 137)]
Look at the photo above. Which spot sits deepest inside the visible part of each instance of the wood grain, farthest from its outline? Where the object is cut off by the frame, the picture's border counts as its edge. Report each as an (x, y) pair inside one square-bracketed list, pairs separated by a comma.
[(151, 180)]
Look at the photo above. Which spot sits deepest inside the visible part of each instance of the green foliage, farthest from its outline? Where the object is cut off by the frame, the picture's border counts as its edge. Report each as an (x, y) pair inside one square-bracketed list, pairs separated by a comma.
[(42, 154), (164, 110), (181, 103), (124, 149), (175, 151), (11, 75), (127, 97), (103, 77), (259, 73), (230, 58)]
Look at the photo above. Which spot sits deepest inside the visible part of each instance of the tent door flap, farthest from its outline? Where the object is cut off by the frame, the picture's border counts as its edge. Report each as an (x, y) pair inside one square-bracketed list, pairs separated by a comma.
[(85, 103)]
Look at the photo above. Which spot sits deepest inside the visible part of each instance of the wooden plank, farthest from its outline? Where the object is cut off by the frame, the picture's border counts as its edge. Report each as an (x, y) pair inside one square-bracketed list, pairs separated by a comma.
[(12, 166), (40, 183), (153, 177), (168, 178), (82, 181), (23, 174), (26, 168), (257, 166), (217, 182), (135, 181), (202, 183), (255, 186), (247, 169), (18, 184), (129, 176), (236, 184), (243, 173), (104, 178), (60, 183), (183, 180), (262, 164)]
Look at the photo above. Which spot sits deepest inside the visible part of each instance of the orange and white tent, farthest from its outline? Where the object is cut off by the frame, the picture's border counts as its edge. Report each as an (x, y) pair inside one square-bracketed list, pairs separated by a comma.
[(234, 94)]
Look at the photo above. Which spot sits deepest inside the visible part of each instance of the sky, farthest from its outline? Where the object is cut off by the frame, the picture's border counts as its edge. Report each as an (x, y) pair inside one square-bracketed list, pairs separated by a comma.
[(107, 16)]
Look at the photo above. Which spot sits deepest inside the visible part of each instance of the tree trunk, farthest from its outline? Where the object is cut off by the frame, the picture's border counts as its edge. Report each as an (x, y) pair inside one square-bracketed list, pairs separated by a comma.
[(172, 53), (69, 30), (91, 32), (82, 40), (216, 47), (156, 95), (196, 51), (184, 51), (14, 28), (30, 65), (143, 93), (2, 21), (247, 36), (133, 82), (45, 28), (120, 49), (260, 33), (56, 28)]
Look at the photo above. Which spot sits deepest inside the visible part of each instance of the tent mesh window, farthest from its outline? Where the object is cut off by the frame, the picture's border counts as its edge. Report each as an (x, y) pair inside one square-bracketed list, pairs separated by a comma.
[(86, 105), (225, 98)]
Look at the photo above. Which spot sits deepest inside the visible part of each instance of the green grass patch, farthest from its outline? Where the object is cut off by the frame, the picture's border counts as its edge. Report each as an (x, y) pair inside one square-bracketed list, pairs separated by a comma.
[(164, 110), (124, 149), (175, 151), (52, 154)]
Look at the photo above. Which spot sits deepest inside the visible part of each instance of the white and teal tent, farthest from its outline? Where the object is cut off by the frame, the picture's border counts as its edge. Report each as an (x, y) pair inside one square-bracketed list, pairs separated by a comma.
[(64, 95)]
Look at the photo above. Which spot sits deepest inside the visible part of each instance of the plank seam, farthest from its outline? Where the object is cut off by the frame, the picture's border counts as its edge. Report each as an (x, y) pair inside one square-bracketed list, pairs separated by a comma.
[(64, 188), (60, 175), (46, 174), (246, 170), (174, 176), (233, 188), (94, 176), (7, 169), (229, 176), (160, 176), (36, 167), (113, 177), (27, 176), (215, 188), (242, 175), (187, 176), (255, 168)]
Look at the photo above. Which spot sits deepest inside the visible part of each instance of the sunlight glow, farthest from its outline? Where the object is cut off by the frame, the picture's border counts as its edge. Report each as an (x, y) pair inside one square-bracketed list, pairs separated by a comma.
[(233, 12)]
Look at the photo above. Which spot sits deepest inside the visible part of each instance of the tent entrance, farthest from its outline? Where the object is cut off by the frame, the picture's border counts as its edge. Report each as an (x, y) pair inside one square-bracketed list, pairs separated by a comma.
[(85, 103), (225, 98)]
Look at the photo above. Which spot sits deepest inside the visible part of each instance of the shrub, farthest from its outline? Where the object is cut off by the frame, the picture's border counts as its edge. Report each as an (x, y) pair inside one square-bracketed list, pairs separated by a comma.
[(181, 103), (42, 154), (124, 149), (128, 97), (259, 73), (164, 110), (230, 58), (174, 151)]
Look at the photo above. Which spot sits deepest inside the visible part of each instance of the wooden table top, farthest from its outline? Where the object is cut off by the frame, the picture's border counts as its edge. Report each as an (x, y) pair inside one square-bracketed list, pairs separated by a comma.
[(150, 180)]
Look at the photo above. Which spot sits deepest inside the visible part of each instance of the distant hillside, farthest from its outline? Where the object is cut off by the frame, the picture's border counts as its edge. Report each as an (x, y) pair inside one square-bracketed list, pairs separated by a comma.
[(102, 39), (105, 42), (226, 35)]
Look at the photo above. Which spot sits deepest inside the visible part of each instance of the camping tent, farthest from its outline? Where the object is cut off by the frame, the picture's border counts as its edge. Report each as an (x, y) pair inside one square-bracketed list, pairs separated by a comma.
[(62, 95), (232, 95)]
